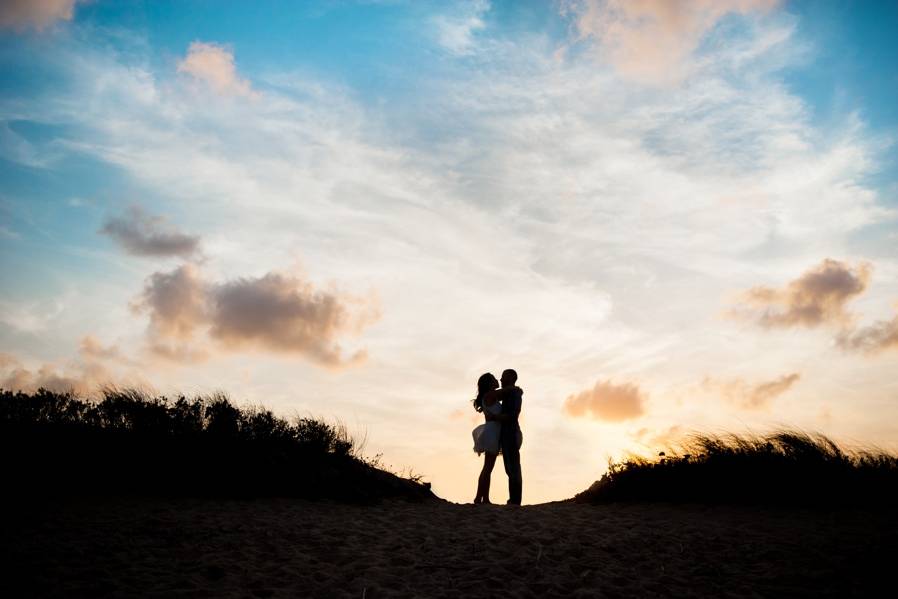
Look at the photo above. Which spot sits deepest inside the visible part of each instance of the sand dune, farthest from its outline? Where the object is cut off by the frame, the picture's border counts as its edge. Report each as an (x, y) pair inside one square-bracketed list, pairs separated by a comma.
[(287, 548)]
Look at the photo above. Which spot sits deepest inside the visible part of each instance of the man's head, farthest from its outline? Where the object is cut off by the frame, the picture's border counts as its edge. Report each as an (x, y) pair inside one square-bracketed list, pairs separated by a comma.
[(509, 377)]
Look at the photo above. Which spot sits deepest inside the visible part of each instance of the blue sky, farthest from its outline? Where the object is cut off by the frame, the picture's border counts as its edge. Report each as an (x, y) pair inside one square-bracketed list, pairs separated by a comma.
[(665, 220)]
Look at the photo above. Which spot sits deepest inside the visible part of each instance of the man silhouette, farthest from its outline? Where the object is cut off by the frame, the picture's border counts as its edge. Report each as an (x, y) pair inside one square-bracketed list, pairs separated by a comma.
[(512, 398)]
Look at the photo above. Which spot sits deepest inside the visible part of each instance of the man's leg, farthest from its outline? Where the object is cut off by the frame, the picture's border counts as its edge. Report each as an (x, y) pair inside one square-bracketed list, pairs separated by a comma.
[(511, 458)]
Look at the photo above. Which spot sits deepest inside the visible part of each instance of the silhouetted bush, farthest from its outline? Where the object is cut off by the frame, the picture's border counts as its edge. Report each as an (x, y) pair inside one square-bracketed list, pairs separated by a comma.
[(132, 442), (786, 467)]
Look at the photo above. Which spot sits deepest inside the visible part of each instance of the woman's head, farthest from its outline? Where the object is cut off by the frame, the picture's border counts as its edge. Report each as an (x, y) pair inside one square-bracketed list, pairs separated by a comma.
[(486, 383)]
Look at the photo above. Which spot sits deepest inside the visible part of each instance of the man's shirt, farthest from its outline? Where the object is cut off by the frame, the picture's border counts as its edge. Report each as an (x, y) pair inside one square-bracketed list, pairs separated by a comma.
[(512, 399)]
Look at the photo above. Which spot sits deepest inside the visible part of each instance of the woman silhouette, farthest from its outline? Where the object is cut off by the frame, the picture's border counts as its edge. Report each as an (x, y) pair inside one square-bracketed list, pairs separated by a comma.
[(486, 435)]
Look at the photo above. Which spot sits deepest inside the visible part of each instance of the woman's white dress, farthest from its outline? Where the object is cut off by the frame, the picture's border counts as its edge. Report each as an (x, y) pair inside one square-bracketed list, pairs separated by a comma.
[(486, 436)]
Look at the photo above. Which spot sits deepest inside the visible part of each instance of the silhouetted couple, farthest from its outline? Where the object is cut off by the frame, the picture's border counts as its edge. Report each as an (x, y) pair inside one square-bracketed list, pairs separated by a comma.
[(500, 433)]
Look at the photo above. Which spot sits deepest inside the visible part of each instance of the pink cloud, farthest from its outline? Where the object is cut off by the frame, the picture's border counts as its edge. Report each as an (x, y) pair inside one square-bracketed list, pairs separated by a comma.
[(213, 65), (651, 40)]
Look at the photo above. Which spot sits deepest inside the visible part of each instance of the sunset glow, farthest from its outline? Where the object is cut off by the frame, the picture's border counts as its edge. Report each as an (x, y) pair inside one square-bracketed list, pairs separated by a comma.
[(664, 220)]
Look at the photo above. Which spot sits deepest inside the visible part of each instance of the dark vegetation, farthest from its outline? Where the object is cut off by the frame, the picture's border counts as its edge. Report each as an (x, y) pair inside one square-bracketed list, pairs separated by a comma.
[(784, 468), (130, 442)]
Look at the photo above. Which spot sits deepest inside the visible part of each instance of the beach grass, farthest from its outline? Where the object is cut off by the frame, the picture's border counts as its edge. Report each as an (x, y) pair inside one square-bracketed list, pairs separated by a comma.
[(784, 467)]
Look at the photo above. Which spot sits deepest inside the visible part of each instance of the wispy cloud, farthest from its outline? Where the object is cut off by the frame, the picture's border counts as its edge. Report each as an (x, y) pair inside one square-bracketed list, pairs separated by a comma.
[(817, 297), (607, 401), (142, 234), (651, 40), (751, 396), (871, 339), (15, 148), (658, 439), (31, 316), (213, 65), (35, 14), (455, 32), (93, 348)]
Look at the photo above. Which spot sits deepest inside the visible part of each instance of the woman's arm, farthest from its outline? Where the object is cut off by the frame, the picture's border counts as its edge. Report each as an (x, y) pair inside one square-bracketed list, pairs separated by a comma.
[(492, 397), (509, 395)]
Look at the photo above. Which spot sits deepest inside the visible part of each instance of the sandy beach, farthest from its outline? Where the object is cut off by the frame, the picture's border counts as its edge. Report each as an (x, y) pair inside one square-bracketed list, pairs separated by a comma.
[(290, 548)]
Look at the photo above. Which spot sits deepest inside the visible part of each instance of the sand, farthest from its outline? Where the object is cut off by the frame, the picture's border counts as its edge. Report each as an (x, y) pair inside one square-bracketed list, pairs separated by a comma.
[(288, 548)]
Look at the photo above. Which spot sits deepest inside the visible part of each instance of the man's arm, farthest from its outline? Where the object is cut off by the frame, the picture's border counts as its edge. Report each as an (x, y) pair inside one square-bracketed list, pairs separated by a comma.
[(512, 394)]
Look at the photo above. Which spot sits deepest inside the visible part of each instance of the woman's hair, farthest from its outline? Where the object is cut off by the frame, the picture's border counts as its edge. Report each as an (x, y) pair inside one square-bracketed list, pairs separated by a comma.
[(486, 383)]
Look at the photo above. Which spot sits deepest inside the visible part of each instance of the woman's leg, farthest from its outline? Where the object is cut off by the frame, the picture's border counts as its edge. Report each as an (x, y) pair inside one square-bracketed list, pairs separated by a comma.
[(483, 483)]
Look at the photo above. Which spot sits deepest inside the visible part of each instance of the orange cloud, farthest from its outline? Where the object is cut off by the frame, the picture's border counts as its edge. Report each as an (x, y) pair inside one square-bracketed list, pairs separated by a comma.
[(817, 297), (7, 361), (179, 351), (213, 65), (82, 375), (80, 379), (273, 312), (751, 396), (650, 40), (176, 301), (91, 347), (607, 401), (36, 14)]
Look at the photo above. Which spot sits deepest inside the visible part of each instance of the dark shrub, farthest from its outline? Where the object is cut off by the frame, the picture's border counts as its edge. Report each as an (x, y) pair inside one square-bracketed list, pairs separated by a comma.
[(132, 442)]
